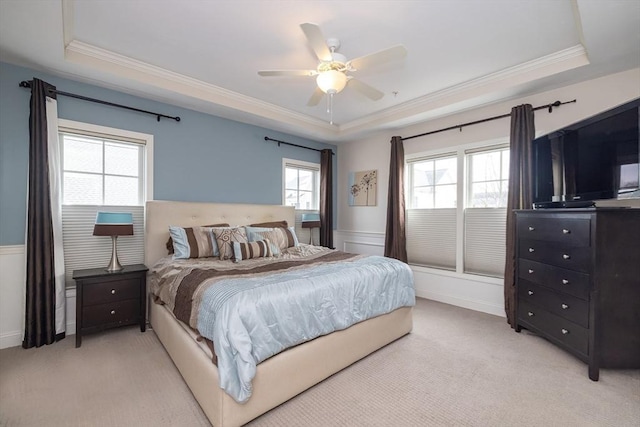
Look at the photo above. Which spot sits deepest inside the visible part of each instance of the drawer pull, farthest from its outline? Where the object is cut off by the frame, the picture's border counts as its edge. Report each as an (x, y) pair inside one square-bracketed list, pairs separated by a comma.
[(565, 256), (566, 231), (530, 314), (564, 306), (565, 282), (113, 312), (564, 331), (531, 250), (530, 292), (531, 228), (113, 291), (530, 271)]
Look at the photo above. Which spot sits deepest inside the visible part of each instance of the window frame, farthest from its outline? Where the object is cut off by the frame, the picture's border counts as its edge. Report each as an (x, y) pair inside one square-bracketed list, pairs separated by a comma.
[(300, 164), (462, 190), (115, 134), (469, 172)]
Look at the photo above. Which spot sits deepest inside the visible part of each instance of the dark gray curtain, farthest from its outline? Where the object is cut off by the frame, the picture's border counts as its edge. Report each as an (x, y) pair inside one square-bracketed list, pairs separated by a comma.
[(395, 240), (40, 326), (326, 198), (520, 194)]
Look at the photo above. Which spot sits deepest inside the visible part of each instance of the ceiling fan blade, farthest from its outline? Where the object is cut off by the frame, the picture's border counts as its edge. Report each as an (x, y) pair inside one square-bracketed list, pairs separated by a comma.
[(315, 98), (386, 55), (365, 89), (317, 41), (274, 73)]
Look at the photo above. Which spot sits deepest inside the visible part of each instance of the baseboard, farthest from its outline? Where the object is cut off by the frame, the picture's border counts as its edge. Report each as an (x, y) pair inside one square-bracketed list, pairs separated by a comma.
[(475, 305), (14, 338), (10, 339)]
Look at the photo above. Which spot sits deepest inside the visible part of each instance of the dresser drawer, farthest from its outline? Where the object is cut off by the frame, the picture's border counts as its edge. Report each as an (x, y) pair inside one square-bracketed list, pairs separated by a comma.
[(561, 279), (555, 328), (570, 257), (567, 231), (114, 313), (558, 303), (110, 291)]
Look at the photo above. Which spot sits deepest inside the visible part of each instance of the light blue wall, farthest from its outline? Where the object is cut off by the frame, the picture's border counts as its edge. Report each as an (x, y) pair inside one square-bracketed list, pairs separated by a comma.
[(202, 158)]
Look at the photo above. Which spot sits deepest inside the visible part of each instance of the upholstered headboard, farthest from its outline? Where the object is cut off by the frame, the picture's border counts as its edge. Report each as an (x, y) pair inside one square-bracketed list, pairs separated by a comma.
[(160, 215)]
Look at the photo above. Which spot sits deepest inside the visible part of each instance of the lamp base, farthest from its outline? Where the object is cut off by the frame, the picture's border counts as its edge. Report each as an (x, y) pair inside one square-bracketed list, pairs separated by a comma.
[(114, 264)]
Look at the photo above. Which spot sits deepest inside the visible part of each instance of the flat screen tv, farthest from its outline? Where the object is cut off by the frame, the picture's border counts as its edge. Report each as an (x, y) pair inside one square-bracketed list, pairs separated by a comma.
[(595, 159)]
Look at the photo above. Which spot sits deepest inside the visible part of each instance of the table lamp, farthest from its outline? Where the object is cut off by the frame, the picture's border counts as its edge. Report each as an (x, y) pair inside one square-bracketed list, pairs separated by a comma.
[(311, 221), (113, 224)]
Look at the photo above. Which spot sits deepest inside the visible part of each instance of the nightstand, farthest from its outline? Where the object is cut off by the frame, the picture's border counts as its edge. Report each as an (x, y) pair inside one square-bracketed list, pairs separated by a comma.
[(107, 299)]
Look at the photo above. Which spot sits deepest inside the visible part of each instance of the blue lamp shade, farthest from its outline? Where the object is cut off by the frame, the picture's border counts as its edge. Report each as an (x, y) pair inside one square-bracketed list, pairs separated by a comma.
[(113, 224), (308, 217)]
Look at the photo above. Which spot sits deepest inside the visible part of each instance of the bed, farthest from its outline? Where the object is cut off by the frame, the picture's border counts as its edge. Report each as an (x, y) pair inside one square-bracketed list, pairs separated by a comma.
[(278, 378)]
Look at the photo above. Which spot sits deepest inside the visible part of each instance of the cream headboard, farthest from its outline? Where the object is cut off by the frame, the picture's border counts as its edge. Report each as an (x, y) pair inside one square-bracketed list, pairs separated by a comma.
[(160, 215)]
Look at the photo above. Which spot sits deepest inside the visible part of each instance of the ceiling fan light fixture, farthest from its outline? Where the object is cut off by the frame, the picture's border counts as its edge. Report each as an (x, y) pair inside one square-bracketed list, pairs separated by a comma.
[(331, 81)]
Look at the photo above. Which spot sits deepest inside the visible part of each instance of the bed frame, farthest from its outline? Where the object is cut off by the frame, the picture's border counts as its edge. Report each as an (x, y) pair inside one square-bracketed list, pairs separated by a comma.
[(280, 377)]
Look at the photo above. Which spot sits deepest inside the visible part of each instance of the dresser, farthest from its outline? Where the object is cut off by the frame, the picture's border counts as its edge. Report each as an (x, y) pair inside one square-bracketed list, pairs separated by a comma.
[(578, 282), (110, 299)]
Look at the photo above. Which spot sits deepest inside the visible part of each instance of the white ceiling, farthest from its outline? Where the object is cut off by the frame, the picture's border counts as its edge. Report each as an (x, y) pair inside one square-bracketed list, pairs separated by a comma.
[(205, 54)]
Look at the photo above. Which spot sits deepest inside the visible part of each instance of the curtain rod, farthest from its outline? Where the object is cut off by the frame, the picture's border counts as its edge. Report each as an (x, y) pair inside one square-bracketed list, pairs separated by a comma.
[(266, 138), (27, 84), (549, 106)]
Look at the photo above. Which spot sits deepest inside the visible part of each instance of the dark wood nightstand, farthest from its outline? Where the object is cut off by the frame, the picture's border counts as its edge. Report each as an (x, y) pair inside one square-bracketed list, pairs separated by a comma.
[(107, 299)]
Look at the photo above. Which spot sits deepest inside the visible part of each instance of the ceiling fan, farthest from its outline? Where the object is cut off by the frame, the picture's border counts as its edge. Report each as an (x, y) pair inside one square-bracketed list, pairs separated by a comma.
[(332, 70)]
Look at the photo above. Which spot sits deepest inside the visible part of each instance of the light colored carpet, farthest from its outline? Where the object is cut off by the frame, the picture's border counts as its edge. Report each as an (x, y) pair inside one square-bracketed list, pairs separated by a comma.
[(458, 367)]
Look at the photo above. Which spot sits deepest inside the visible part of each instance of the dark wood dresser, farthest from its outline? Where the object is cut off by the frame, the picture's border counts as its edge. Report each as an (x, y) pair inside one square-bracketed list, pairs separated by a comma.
[(578, 282), (110, 299)]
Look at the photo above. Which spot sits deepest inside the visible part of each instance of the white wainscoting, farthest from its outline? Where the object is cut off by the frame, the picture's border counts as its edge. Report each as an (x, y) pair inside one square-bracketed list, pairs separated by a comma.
[(12, 290), (470, 291)]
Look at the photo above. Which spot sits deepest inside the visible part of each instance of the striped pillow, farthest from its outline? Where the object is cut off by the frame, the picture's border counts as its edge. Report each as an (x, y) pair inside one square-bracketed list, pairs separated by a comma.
[(282, 238), (193, 242), (250, 250), (188, 230)]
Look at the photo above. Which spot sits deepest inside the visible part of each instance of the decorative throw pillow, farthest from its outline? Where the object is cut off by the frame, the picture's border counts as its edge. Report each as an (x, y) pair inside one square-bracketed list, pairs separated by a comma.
[(271, 224), (169, 245), (282, 238), (225, 238), (250, 250), (193, 242)]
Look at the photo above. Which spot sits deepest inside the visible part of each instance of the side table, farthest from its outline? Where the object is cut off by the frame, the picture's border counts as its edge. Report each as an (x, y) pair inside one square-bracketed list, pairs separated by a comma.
[(106, 299)]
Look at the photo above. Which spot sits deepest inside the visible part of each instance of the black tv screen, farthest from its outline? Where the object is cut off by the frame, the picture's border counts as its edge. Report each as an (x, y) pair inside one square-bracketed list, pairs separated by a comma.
[(597, 158)]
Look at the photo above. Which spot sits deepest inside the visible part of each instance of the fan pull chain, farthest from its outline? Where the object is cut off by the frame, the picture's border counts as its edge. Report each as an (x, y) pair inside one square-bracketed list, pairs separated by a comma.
[(330, 109)]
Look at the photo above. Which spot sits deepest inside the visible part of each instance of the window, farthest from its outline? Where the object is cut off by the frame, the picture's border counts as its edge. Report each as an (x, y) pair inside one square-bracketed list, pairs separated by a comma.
[(445, 233), (434, 183), (488, 178), (301, 188), (103, 169), (431, 219), (485, 215), (301, 184)]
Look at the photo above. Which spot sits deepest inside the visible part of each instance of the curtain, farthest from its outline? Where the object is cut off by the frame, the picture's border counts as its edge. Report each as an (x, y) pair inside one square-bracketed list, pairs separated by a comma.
[(520, 194), (45, 290), (326, 198), (395, 241)]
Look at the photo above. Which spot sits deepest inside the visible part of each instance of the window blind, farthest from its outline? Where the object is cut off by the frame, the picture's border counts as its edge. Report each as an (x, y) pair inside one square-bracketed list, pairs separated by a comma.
[(84, 250), (485, 241), (431, 237)]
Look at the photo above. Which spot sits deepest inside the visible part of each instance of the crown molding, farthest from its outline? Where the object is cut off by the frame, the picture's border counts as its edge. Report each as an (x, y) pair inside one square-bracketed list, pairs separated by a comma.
[(251, 110), (126, 67), (566, 59)]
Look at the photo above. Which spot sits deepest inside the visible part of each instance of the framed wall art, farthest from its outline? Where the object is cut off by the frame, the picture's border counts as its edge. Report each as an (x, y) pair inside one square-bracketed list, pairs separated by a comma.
[(363, 188)]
